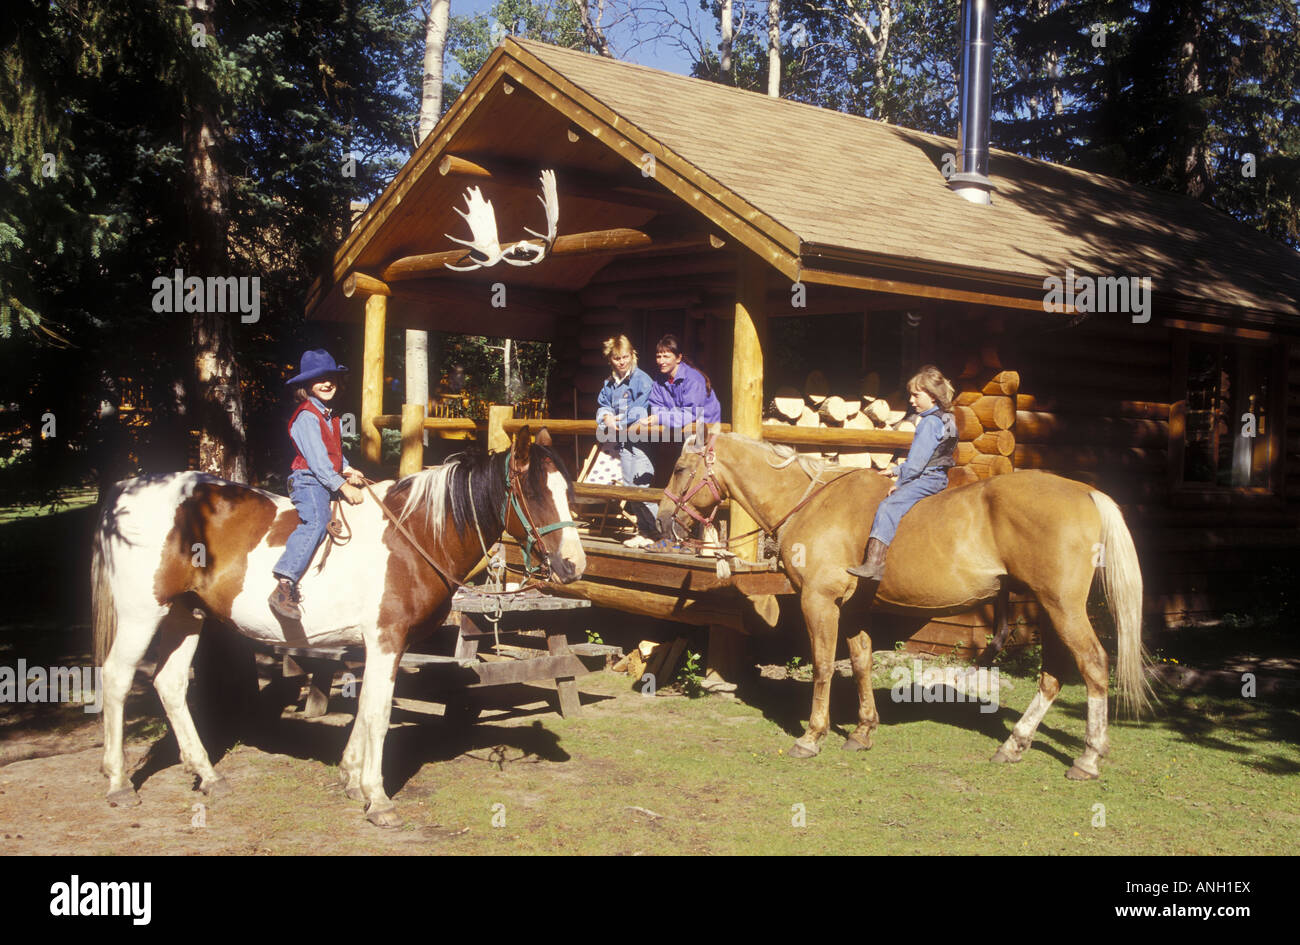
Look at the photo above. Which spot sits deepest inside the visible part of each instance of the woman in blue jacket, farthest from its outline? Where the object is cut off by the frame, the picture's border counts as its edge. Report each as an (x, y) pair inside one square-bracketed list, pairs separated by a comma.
[(924, 473), (622, 403)]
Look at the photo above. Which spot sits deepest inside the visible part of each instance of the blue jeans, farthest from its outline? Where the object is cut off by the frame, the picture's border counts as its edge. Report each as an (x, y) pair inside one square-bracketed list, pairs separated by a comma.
[(312, 500), (639, 471), (892, 508)]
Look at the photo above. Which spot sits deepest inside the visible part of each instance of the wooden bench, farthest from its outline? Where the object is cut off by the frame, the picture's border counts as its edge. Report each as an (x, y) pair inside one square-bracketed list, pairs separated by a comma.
[(451, 676)]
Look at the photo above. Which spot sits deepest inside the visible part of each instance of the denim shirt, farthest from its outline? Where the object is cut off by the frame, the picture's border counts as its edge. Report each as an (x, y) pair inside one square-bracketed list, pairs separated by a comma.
[(626, 400), (306, 436), (936, 434)]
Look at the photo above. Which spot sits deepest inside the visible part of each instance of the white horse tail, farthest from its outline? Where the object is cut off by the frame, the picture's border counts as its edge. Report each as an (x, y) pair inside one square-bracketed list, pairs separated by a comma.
[(103, 609), (1121, 584)]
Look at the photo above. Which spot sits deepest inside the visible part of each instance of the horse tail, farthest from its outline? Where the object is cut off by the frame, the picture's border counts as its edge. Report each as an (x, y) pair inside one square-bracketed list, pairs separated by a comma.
[(1121, 584), (103, 609)]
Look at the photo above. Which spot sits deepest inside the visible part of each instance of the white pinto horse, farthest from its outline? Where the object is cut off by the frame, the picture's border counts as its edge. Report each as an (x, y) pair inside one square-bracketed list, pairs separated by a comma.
[(189, 541)]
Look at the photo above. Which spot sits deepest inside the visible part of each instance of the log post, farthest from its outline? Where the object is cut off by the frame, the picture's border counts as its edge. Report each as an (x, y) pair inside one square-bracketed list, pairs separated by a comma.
[(412, 459), (498, 440), (724, 659), (372, 378), (749, 340)]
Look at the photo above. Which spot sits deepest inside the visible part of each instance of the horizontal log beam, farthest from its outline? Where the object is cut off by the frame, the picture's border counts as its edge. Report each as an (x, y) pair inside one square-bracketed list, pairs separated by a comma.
[(1138, 409), (1105, 460), (836, 436), (358, 283), (1082, 430), (597, 242)]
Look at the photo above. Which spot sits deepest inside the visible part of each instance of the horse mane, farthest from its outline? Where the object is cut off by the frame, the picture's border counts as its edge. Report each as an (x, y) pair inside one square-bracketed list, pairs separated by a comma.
[(466, 485), (786, 455), (472, 486)]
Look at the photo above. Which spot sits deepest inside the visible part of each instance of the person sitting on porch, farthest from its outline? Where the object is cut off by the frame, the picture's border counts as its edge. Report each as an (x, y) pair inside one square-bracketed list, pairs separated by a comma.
[(683, 395), (622, 402), (318, 470), (924, 473), (682, 400)]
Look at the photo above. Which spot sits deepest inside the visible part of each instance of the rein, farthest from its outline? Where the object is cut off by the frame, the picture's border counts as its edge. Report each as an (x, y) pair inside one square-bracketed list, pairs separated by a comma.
[(512, 501), (709, 458)]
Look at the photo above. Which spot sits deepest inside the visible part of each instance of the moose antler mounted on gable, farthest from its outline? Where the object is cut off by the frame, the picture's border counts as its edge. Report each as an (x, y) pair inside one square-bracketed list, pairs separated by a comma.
[(485, 248)]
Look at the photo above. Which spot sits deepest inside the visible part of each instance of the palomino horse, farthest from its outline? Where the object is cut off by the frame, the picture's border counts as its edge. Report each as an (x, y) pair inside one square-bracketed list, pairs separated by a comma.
[(189, 540), (953, 550)]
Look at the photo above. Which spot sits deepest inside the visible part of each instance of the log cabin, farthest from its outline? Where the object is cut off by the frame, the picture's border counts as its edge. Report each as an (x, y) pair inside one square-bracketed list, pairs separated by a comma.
[(1134, 339)]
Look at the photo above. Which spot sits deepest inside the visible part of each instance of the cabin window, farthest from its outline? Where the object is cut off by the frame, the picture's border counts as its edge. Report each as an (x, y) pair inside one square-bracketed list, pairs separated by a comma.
[(1229, 415)]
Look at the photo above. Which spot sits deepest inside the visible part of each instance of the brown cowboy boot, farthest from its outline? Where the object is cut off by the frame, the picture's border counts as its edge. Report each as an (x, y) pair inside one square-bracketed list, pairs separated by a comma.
[(284, 600), (873, 569)]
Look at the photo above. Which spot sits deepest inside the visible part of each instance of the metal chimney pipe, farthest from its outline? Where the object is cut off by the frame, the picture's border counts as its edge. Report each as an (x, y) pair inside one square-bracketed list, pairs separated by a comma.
[(971, 180)]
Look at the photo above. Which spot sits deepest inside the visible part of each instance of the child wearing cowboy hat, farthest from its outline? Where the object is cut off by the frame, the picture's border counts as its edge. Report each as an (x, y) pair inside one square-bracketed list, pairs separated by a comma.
[(319, 469)]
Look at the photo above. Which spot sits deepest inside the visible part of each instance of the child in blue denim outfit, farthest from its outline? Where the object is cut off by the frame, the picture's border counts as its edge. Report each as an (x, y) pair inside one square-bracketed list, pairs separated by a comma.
[(622, 402), (924, 473), (318, 471)]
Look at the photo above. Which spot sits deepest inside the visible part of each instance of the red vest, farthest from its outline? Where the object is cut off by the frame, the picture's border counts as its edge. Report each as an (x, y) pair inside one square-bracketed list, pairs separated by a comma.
[(331, 433)]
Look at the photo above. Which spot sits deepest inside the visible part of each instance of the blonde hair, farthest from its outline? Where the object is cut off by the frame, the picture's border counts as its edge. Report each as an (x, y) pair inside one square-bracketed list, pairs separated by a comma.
[(931, 380), (619, 344)]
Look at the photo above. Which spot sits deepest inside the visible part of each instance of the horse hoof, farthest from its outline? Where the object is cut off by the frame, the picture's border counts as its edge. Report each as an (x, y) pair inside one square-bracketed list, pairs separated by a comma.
[(1078, 774), (798, 750), (852, 744), (1002, 756), (384, 818), (217, 787), (123, 797)]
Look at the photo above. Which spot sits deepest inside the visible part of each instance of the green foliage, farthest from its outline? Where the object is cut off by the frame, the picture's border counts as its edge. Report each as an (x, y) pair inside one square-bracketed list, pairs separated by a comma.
[(471, 39), (691, 675), (92, 103)]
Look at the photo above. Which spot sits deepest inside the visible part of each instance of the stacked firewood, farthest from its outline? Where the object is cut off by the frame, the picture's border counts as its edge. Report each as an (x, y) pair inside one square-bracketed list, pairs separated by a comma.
[(985, 410), (816, 406)]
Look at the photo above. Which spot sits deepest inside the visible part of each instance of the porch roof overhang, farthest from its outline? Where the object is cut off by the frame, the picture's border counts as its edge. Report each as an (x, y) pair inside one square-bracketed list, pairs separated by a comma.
[(821, 197)]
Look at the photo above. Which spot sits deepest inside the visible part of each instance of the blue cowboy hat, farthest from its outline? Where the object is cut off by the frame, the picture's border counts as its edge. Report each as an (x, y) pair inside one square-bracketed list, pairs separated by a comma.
[(315, 363)]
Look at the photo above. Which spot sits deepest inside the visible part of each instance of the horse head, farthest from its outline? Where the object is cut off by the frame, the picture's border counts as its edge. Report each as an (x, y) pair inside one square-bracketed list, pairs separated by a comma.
[(695, 492), (538, 498)]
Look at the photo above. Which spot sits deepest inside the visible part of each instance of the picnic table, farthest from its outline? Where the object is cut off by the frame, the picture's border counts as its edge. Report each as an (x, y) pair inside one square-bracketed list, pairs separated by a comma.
[(450, 676)]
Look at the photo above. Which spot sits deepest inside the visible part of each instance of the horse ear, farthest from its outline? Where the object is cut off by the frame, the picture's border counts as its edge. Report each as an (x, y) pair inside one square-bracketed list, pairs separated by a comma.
[(544, 437), (712, 431), (522, 448), (689, 445)]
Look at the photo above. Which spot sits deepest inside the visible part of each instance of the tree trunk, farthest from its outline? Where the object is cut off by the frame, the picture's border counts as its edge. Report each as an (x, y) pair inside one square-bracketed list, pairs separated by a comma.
[(592, 31), (435, 39), (1195, 169), (724, 47), (774, 48), (417, 371), (881, 92), (222, 436)]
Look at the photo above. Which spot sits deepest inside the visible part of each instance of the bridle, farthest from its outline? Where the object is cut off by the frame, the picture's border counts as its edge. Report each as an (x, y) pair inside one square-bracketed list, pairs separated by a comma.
[(814, 488), (692, 487), (514, 501)]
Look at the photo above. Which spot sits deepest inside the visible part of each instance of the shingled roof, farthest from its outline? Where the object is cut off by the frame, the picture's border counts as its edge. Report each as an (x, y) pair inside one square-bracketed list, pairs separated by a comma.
[(837, 198)]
